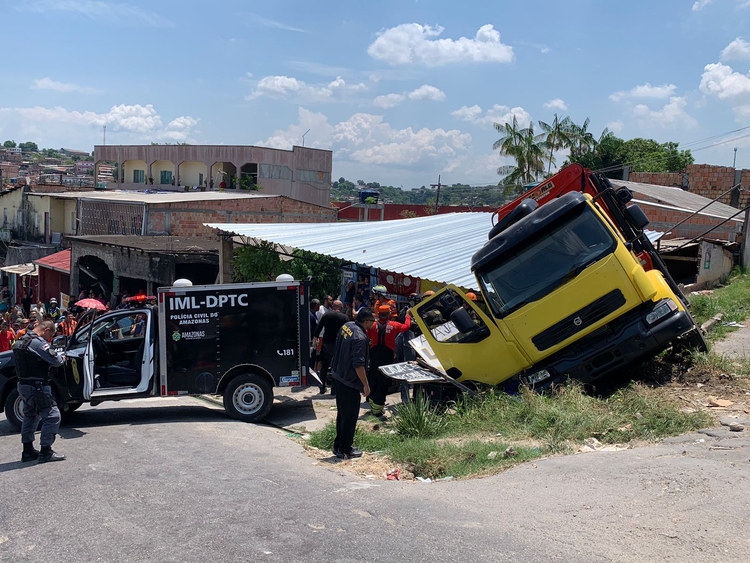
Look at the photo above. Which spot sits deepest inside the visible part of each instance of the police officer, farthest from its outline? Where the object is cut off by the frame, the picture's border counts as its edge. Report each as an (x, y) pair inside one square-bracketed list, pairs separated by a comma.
[(34, 358)]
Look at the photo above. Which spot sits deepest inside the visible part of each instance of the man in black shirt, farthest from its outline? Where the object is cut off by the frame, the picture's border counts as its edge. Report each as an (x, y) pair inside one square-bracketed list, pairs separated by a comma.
[(349, 370), (331, 322)]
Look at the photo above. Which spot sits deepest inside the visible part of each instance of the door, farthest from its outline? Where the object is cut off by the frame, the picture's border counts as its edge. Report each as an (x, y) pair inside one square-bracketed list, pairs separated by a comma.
[(118, 357), (75, 369)]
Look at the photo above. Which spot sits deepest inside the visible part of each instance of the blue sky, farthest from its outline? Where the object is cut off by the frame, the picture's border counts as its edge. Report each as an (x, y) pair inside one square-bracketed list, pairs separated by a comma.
[(400, 90)]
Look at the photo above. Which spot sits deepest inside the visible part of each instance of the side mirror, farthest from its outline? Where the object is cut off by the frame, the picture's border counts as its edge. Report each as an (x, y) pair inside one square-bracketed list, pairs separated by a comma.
[(637, 217), (59, 342), (463, 321)]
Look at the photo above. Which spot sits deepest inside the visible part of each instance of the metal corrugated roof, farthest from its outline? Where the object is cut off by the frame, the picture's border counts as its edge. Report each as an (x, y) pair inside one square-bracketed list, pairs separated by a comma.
[(677, 197), (437, 248), (28, 269)]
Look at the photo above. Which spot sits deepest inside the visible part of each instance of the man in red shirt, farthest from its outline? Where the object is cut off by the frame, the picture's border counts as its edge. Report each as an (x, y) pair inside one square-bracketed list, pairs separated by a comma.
[(7, 336), (382, 337)]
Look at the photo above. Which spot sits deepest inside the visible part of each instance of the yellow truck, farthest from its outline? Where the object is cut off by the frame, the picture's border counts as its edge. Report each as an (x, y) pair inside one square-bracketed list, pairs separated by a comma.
[(571, 287)]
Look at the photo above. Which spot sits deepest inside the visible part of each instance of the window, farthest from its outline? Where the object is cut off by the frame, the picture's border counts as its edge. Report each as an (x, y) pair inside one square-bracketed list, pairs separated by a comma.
[(139, 176), (19, 218), (200, 179), (314, 176), (166, 177)]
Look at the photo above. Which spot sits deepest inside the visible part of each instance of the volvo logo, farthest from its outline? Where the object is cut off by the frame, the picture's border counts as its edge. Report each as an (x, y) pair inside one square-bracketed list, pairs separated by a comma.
[(577, 321)]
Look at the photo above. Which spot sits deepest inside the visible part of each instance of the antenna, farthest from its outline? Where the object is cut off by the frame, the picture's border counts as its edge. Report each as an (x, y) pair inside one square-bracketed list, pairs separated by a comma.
[(104, 140), (303, 137), (734, 162), (437, 196)]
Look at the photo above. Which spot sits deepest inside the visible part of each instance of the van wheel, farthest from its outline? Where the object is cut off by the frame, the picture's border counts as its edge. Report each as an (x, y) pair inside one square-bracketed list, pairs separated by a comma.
[(248, 398), (14, 409)]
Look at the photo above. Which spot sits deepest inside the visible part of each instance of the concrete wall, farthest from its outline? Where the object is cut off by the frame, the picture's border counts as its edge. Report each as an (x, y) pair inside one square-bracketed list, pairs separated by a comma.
[(308, 177), (187, 218), (190, 174), (10, 203), (714, 265)]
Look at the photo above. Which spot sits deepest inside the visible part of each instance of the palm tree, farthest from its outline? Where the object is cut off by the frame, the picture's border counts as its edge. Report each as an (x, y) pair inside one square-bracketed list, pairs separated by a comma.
[(582, 140), (523, 145), (558, 136)]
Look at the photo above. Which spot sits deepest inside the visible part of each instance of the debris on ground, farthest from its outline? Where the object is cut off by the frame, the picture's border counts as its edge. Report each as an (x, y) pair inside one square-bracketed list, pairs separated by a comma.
[(736, 427), (714, 402)]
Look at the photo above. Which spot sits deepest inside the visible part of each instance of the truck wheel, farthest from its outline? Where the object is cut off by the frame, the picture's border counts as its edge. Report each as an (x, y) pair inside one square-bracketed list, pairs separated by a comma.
[(14, 409), (248, 398)]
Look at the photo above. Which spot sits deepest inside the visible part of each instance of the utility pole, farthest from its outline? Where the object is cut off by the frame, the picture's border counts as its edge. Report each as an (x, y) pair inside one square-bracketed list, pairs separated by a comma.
[(303, 137), (437, 195), (104, 134), (734, 162)]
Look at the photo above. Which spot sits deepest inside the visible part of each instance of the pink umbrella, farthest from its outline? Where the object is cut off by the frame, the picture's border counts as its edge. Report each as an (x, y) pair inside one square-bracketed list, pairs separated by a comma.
[(91, 304)]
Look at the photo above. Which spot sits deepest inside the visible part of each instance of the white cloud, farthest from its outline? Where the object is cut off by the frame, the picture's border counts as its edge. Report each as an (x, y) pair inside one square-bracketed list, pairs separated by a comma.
[(133, 122), (256, 18), (427, 92), (288, 86), (412, 43), (47, 83), (110, 12), (723, 82), (700, 4), (645, 91), (671, 115), (496, 114), (318, 137), (615, 126), (367, 139), (388, 100), (556, 104), (424, 92), (738, 50)]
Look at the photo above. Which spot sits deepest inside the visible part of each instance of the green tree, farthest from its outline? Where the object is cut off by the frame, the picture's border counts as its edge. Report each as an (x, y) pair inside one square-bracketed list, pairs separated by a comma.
[(29, 146), (557, 136), (247, 182), (9, 144), (263, 263)]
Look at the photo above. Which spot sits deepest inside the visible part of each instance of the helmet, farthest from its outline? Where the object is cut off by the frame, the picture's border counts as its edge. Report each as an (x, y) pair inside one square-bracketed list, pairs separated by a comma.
[(384, 309), (413, 295), (53, 300), (471, 295), (379, 289), (428, 293)]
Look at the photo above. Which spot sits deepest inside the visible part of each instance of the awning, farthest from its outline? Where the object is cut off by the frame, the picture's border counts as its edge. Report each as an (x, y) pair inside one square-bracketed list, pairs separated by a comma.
[(436, 248), (28, 269), (59, 261)]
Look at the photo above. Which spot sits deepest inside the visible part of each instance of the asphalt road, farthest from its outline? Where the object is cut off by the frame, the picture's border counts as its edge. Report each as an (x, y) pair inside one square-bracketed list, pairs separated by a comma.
[(175, 480)]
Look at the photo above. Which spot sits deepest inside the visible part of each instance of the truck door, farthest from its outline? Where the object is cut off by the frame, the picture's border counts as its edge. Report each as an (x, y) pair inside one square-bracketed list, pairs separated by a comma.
[(119, 354), (469, 353)]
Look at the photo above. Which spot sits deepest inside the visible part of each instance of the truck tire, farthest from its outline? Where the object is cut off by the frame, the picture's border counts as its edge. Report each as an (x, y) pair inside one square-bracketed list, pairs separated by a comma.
[(248, 397), (14, 409)]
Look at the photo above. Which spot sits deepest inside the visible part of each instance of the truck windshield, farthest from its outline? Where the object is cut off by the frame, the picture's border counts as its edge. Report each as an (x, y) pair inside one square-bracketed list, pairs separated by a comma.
[(531, 270)]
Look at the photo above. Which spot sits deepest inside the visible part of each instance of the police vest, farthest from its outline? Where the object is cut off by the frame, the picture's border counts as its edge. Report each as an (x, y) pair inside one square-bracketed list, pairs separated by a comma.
[(29, 366)]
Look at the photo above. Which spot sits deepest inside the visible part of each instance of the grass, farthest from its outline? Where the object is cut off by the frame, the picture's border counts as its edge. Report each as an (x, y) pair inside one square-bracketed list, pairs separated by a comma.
[(533, 424), (732, 299)]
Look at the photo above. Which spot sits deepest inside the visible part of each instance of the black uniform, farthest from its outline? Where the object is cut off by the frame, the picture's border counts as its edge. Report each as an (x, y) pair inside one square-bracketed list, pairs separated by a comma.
[(331, 322), (34, 358), (351, 351)]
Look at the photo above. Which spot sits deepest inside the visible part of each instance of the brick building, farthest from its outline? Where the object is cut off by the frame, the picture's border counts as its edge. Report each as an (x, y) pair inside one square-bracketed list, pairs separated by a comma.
[(703, 179), (390, 211)]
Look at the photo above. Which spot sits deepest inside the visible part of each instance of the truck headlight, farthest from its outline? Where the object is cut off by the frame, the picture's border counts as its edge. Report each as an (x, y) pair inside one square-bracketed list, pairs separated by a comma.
[(666, 307), (536, 377)]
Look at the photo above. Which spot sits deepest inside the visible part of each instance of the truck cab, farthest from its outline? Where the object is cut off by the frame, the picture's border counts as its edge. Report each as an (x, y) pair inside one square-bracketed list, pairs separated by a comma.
[(565, 294)]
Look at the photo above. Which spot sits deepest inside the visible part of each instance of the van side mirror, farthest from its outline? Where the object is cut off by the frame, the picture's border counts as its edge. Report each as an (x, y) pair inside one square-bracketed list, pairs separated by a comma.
[(463, 321), (59, 342)]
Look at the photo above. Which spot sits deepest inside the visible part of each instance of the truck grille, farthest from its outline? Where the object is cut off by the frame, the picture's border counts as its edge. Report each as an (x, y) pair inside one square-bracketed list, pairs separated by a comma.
[(579, 320)]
